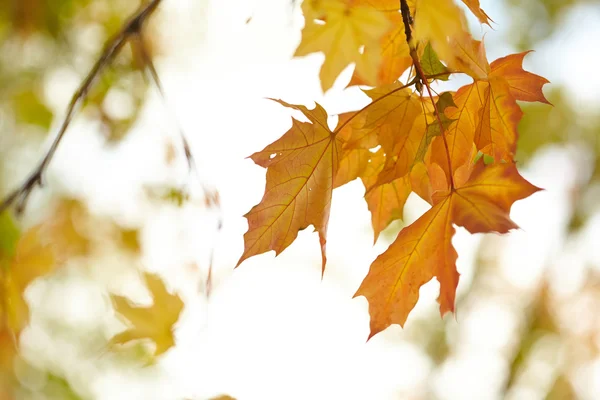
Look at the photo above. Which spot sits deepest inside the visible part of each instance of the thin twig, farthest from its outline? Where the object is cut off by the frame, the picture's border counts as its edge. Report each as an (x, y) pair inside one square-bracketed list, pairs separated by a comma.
[(112, 47)]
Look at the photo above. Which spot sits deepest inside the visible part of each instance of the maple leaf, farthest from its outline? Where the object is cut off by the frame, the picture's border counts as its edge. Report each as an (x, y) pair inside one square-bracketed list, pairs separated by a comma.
[(487, 112), (423, 250), (523, 85), (301, 168), (483, 203), (154, 322), (340, 29)]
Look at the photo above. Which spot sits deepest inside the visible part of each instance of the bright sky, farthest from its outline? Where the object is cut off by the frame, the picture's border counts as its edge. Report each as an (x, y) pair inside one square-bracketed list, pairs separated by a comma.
[(272, 329)]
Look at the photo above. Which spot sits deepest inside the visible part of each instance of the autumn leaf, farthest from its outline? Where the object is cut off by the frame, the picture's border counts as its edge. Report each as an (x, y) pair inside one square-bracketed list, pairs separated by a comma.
[(66, 230), (154, 322), (33, 257), (423, 250), (523, 85), (487, 112), (301, 168), (340, 29), (483, 203), (23, 258)]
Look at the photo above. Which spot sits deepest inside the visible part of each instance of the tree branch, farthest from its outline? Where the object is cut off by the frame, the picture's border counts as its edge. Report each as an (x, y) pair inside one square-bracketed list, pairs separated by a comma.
[(132, 28)]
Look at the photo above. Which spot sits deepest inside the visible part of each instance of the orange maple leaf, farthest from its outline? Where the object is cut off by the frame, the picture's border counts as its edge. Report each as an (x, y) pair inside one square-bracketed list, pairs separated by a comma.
[(423, 250), (483, 203), (487, 112), (523, 85), (301, 168)]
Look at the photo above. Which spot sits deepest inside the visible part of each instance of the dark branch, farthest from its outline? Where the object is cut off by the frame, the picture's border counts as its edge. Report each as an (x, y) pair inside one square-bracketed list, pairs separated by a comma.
[(132, 28), (407, 19)]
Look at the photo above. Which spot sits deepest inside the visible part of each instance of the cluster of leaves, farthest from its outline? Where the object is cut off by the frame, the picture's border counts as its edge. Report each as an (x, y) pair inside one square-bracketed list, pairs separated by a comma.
[(453, 149)]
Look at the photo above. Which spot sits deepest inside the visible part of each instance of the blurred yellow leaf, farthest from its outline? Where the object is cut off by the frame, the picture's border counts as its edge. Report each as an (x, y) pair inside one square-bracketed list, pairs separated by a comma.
[(340, 29), (155, 322), (65, 230), (435, 21), (20, 264), (32, 259), (130, 239)]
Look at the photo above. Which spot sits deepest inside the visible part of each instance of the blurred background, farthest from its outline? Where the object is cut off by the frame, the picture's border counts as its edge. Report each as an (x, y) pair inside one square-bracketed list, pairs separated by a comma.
[(120, 199)]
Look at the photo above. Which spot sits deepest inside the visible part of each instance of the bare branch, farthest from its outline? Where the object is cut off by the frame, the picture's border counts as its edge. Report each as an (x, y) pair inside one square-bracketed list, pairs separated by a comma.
[(132, 28)]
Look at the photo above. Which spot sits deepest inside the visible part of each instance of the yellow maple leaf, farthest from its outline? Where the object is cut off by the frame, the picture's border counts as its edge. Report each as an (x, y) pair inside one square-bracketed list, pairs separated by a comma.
[(154, 322), (33, 258), (436, 21), (341, 30)]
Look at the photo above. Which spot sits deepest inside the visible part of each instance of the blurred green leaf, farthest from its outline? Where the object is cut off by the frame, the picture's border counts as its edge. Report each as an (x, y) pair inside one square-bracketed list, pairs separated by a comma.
[(9, 236), (30, 110)]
